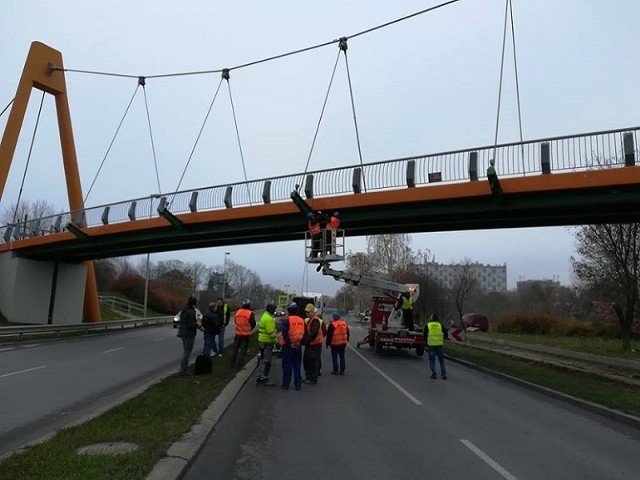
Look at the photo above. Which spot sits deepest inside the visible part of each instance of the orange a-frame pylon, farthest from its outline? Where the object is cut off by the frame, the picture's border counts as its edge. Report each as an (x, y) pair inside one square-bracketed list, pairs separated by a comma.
[(38, 73)]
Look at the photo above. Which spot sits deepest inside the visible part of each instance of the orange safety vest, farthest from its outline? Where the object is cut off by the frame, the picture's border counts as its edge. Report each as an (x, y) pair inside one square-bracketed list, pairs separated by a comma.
[(243, 327), (334, 222), (319, 337), (296, 330), (314, 227), (339, 337)]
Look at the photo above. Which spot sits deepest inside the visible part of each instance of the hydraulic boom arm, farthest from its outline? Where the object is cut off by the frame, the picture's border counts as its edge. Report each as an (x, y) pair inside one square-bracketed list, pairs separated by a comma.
[(365, 281)]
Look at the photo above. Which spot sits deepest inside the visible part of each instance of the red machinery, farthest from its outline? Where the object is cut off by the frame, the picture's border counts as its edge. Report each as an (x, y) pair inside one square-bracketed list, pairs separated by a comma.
[(385, 323)]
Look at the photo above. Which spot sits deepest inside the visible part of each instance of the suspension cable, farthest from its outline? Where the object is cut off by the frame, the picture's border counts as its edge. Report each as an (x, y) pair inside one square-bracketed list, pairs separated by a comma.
[(184, 171), (343, 48), (267, 59), (26, 167), (504, 41), (225, 74), (142, 82), (515, 66), (324, 104), (8, 105), (111, 144)]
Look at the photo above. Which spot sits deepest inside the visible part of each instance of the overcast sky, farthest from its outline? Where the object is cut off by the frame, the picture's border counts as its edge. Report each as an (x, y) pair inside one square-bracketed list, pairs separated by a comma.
[(421, 86)]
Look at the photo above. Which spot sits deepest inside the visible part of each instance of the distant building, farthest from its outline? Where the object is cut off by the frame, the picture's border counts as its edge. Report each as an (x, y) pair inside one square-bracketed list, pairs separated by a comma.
[(525, 286), (491, 278)]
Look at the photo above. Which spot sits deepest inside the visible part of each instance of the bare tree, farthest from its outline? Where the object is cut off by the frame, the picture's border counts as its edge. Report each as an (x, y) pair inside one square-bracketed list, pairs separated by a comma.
[(463, 285), (610, 264), (26, 210), (389, 252), (196, 272)]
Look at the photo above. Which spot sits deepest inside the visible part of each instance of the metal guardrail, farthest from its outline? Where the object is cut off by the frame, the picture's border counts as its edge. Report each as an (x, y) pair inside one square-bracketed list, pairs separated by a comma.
[(122, 306), (22, 331), (588, 151)]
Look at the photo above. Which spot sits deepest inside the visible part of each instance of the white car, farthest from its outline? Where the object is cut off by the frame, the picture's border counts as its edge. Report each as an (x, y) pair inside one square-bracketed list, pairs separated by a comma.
[(176, 319)]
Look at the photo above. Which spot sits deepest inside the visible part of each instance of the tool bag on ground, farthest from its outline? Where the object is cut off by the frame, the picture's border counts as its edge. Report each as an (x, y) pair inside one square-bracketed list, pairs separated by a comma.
[(203, 365)]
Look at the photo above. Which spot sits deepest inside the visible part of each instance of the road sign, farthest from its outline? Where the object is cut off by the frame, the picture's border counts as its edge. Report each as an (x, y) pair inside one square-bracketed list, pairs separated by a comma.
[(456, 335), (283, 300)]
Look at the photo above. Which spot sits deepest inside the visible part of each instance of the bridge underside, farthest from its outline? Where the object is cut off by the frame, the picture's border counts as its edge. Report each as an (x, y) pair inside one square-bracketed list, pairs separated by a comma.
[(543, 201)]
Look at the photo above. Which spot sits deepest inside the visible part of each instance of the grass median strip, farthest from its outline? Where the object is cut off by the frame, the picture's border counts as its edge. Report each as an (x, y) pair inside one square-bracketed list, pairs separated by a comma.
[(153, 421), (584, 386)]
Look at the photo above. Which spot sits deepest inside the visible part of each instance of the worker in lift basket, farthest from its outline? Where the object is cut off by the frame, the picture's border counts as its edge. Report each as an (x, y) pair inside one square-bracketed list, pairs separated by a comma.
[(405, 302), (316, 233)]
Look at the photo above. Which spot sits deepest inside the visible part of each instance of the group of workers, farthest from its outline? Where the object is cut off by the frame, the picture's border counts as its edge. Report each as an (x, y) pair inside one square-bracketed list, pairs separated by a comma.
[(294, 334), (318, 223)]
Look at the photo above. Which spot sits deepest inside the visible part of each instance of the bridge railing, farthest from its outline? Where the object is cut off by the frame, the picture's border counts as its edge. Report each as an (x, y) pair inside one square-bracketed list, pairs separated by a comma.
[(604, 149)]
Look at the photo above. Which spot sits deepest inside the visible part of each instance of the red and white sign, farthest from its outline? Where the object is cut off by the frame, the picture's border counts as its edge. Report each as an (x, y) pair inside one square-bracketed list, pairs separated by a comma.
[(456, 335)]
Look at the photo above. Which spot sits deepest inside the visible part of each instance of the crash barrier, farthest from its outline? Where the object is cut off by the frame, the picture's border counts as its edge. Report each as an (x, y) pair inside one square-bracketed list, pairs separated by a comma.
[(23, 331)]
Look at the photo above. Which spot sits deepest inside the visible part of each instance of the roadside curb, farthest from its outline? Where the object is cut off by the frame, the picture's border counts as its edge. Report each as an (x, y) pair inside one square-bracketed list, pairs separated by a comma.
[(180, 455), (593, 407)]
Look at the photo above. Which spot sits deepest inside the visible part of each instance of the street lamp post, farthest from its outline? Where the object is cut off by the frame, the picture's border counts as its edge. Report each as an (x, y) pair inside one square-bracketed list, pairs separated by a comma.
[(146, 280), (224, 275)]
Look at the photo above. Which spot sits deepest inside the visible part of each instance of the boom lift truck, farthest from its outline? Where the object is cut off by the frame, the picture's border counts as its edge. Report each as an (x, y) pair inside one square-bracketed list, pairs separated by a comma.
[(385, 322)]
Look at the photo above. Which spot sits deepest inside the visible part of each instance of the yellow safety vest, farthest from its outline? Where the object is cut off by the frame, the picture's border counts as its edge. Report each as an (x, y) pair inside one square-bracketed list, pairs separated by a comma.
[(435, 337)]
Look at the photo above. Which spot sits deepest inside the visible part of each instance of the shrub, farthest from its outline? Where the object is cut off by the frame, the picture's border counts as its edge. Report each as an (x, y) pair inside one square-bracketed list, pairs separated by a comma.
[(526, 323)]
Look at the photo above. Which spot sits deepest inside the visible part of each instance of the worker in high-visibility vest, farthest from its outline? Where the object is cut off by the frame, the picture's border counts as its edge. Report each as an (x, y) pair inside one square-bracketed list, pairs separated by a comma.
[(266, 341), (434, 338), (313, 348), (316, 233), (405, 303), (332, 224), (337, 339), (245, 323), (291, 339)]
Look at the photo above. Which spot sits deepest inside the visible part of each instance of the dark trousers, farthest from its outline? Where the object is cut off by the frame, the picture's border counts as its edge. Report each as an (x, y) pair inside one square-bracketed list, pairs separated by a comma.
[(240, 346), (433, 353), (316, 245), (311, 362), (187, 348), (291, 360), (407, 318), (337, 352)]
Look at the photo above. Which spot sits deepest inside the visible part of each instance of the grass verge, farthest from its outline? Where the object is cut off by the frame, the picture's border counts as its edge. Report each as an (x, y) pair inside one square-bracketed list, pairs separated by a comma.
[(595, 345), (153, 420), (584, 386)]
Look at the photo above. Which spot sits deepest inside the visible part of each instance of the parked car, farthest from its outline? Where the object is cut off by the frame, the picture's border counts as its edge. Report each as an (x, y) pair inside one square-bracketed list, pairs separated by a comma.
[(476, 320), (176, 319), (279, 312)]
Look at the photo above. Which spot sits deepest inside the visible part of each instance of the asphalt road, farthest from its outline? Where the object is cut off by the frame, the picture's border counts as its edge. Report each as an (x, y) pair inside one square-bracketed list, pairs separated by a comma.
[(49, 385), (387, 419)]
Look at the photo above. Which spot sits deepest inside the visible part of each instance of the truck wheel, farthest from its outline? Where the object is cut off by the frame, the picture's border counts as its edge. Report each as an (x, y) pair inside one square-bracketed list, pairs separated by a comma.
[(372, 342), (420, 351), (378, 347)]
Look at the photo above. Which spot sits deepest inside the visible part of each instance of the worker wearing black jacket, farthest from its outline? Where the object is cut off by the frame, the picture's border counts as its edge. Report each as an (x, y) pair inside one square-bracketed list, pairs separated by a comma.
[(211, 323), (187, 332)]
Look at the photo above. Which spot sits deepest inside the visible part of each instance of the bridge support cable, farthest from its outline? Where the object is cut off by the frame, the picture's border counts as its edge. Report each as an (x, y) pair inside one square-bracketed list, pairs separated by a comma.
[(515, 66), (206, 117), (142, 82), (26, 167), (343, 47), (226, 76), (112, 142), (324, 105), (7, 107), (508, 14)]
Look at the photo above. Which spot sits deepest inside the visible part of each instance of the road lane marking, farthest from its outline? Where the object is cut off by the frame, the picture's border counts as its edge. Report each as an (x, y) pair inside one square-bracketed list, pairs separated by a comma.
[(7, 349), (22, 371), (387, 378), (113, 350), (488, 460), (160, 339)]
